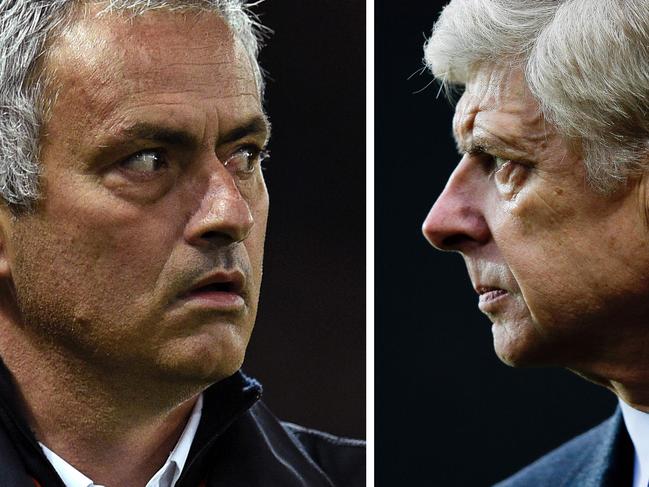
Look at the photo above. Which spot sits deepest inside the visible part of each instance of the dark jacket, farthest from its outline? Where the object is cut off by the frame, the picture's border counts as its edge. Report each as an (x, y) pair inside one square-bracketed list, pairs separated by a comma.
[(601, 457), (239, 443)]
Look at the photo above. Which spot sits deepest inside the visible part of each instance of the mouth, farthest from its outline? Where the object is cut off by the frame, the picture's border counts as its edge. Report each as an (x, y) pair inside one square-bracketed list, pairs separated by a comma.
[(489, 297), (216, 287), (223, 291)]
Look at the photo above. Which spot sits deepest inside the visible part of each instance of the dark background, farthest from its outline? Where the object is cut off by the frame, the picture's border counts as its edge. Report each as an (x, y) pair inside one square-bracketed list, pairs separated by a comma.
[(448, 413), (308, 347)]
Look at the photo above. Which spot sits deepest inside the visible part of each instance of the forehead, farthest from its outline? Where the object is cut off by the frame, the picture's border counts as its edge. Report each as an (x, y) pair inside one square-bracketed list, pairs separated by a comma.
[(497, 105), (119, 62), (155, 42)]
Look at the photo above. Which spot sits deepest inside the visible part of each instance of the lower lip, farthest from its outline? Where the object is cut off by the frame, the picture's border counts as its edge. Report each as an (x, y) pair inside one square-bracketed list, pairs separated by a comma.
[(220, 300), (489, 301)]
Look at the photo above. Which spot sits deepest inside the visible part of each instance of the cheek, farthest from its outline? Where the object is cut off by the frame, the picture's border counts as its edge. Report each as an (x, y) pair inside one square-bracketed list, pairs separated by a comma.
[(59, 285), (539, 212), (131, 250), (576, 260), (543, 243), (93, 253), (92, 279)]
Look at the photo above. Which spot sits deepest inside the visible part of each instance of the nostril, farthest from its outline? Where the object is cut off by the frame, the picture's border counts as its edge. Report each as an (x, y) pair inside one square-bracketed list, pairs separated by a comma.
[(210, 235), (454, 242), (213, 237)]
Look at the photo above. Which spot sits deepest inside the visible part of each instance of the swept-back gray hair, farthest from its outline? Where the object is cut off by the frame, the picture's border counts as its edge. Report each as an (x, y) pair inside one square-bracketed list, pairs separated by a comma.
[(585, 61), (27, 28)]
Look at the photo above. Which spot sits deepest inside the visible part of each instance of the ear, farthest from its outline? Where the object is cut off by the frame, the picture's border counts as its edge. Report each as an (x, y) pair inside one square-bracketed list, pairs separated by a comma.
[(643, 197), (6, 225)]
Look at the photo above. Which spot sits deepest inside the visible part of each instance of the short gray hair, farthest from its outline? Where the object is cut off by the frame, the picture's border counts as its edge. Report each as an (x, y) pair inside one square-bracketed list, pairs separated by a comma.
[(585, 61), (27, 28)]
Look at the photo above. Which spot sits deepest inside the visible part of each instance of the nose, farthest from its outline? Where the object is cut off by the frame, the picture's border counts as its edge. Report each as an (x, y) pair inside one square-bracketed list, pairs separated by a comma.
[(456, 221), (223, 213)]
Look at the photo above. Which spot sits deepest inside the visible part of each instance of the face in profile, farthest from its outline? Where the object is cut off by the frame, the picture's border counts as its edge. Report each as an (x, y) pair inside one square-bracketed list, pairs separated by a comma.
[(560, 269), (145, 250)]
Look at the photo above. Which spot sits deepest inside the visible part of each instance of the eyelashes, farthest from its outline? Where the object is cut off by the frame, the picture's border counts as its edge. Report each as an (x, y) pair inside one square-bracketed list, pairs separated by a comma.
[(245, 160)]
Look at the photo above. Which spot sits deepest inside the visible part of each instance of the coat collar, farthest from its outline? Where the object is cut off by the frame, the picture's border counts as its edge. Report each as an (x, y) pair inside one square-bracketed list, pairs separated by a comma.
[(609, 463), (224, 402)]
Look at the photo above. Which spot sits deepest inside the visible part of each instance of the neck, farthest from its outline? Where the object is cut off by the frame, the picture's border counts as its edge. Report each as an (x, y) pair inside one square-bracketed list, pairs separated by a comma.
[(634, 394), (116, 430), (630, 382)]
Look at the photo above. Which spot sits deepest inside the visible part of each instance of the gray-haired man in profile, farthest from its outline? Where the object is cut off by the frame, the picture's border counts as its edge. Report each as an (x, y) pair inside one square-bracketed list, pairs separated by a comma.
[(548, 204), (131, 241)]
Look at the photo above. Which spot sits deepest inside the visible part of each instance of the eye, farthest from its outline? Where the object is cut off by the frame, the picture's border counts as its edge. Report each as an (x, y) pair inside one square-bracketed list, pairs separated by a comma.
[(502, 168), (500, 162), (246, 159), (143, 176), (509, 175), (145, 162)]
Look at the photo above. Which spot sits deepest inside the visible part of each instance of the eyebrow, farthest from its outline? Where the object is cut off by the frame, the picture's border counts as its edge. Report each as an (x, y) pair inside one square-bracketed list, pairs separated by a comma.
[(256, 126), (486, 145), (158, 133), (474, 147)]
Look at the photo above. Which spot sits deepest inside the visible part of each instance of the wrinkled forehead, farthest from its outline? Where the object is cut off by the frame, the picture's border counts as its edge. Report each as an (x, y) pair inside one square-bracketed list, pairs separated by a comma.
[(496, 94), (137, 49)]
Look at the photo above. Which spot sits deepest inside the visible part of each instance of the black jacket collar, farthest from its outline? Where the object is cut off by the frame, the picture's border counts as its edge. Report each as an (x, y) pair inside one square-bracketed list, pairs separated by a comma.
[(21, 458), (239, 442)]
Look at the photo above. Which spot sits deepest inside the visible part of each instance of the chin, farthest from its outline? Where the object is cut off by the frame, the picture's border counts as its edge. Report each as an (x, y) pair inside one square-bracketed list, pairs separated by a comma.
[(203, 359), (521, 348)]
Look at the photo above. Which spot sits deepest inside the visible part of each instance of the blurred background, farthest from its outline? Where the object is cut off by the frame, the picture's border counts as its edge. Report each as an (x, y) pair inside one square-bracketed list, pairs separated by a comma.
[(308, 347), (448, 413)]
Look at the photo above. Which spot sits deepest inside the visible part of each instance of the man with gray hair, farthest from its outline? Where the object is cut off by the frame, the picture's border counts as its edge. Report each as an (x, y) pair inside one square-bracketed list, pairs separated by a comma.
[(132, 226), (548, 204)]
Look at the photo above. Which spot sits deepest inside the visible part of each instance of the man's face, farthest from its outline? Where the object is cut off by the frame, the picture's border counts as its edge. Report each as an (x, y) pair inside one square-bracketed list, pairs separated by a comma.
[(561, 270), (145, 253)]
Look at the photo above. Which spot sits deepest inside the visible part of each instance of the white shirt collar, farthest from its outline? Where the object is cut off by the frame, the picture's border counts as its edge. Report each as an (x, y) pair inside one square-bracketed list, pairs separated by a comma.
[(637, 424), (167, 476)]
